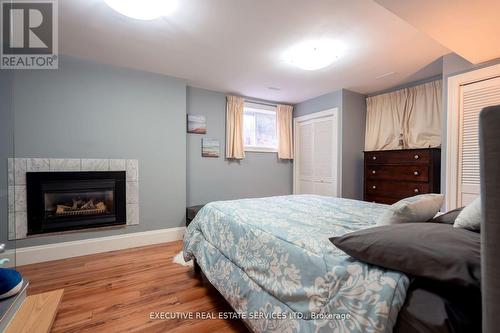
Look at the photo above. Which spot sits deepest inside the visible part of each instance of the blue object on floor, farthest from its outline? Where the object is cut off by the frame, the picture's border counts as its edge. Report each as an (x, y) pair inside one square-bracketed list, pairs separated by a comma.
[(11, 282)]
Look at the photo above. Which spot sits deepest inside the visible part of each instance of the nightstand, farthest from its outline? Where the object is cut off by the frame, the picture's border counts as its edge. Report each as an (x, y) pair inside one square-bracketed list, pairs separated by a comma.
[(190, 215)]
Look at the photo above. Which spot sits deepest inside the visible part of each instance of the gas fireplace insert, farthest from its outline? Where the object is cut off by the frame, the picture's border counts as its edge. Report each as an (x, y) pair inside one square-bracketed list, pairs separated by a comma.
[(61, 201)]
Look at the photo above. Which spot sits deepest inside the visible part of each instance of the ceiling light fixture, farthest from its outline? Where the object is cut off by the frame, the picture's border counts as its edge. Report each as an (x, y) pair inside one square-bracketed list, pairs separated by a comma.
[(315, 54), (143, 9)]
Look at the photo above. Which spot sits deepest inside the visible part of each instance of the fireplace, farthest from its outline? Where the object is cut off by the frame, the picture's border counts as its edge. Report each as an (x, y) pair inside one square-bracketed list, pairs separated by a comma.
[(62, 201)]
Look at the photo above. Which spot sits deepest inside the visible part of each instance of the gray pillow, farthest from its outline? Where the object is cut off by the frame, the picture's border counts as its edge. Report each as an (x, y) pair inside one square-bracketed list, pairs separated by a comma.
[(429, 250), (419, 208), (448, 217), (470, 217)]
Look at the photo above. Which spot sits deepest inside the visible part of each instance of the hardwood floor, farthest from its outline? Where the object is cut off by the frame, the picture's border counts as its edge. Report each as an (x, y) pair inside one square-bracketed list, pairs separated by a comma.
[(117, 291)]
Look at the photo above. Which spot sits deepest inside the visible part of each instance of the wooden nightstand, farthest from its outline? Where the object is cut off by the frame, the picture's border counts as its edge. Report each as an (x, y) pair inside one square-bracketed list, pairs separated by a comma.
[(190, 215)]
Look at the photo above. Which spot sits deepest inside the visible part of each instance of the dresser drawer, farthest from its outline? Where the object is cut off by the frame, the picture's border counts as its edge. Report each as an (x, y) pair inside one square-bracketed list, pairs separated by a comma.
[(395, 189), (412, 173), (397, 157), (382, 200)]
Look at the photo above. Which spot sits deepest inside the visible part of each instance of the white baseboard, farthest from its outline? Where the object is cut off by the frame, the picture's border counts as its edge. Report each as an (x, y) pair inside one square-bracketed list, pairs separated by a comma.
[(56, 251)]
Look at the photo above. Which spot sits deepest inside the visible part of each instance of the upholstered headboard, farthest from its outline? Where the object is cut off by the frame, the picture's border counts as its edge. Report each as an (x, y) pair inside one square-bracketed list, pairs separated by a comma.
[(489, 128)]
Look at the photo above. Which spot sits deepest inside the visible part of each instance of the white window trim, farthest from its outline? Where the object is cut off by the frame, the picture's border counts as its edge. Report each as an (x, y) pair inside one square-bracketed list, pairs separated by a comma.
[(453, 127), (268, 109), (254, 149), (264, 111)]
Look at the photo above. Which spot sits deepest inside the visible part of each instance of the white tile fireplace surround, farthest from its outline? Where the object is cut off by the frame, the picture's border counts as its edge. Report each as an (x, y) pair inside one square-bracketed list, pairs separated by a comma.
[(17, 168)]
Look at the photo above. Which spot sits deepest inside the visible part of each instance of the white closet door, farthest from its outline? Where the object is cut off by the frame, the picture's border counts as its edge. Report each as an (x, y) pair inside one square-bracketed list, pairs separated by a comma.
[(316, 155), (305, 144), (474, 97)]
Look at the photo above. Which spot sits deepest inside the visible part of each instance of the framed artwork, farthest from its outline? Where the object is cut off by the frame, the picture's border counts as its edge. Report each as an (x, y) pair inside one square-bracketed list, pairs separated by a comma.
[(196, 124), (210, 148)]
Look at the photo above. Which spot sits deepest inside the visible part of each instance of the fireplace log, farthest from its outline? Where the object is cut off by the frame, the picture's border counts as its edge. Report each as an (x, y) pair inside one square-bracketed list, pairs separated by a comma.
[(88, 205), (62, 208), (76, 203)]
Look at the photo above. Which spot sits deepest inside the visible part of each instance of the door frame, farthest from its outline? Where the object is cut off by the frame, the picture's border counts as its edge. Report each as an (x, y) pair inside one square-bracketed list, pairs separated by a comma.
[(453, 114), (311, 116)]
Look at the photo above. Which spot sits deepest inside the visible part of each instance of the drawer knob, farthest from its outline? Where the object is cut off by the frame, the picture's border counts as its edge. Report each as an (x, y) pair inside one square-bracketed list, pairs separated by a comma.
[(374, 187), (374, 158), (416, 157), (416, 190), (374, 172), (416, 173)]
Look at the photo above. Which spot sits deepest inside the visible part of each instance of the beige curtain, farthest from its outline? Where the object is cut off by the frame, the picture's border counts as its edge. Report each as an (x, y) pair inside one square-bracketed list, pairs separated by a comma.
[(384, 116), (406, 118), (422, 121), (234, 128), (284, 116)]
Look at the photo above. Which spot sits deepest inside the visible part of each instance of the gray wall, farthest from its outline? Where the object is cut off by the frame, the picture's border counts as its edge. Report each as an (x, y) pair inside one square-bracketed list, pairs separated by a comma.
[(353, 143), (6, 148), (320, 103), (210, 179), (352, 108), (91, 110)]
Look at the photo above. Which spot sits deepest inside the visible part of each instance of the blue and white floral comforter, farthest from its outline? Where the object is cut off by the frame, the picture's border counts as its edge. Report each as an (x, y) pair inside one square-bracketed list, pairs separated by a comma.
[(272, 256)]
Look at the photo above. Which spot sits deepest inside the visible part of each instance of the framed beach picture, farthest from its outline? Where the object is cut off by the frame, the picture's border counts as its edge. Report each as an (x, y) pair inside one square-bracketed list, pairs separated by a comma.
[(210, 148), (196, 123)]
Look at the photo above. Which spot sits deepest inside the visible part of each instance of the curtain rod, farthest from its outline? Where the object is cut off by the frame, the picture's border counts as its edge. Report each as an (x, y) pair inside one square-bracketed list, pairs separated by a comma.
[(258, 102)]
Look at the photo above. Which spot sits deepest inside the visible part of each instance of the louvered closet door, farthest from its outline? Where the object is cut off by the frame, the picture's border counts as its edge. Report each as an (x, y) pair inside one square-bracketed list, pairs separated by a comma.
[(474, 98), (305, 161), (316, 156)]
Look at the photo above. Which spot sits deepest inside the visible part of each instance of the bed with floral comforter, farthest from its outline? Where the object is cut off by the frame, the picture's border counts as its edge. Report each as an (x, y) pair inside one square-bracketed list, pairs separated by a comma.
[(272, 261)]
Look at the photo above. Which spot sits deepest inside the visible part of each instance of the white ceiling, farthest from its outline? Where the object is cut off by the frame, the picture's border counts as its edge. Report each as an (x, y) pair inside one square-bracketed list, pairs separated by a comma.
[(236, 46), (471, 28)]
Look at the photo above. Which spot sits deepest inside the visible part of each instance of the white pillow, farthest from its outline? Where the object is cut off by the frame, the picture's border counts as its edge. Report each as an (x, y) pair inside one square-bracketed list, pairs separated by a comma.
[(470, 216), (419, 208)]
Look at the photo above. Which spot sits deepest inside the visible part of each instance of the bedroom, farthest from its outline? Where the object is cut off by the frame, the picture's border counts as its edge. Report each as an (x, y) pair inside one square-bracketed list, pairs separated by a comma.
[(246, 135)]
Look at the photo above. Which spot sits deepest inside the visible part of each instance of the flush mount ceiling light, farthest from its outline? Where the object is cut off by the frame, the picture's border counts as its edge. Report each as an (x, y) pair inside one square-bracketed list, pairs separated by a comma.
[(143, 9), (314, 54)]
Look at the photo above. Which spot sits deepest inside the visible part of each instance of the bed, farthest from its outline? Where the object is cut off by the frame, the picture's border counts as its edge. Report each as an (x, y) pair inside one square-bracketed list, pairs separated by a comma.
[(271, 259)]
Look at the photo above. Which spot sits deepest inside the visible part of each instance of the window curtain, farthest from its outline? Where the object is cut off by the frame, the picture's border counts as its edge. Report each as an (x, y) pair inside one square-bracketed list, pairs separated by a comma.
[(422, 121), (234, 128), (384, 118), (284, 115), (406, 118)]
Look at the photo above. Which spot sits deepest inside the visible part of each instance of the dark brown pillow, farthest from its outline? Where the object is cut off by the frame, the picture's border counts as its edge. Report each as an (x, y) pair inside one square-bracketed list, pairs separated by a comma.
[(448, 218), (430, 250)]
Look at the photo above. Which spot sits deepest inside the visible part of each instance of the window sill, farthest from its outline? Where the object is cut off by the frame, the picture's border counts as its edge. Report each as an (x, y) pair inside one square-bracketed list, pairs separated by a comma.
[(260, 150)]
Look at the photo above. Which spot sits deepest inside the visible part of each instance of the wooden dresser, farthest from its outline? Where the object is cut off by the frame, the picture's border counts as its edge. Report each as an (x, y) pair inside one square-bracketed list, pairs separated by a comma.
[(391, 175)]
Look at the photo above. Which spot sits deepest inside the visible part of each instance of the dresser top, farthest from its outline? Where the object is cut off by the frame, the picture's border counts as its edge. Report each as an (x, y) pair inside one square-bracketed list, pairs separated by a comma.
[(410, 149)]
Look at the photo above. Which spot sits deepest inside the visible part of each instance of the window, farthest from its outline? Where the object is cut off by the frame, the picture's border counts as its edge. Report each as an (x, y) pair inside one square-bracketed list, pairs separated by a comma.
[(259, 128)]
